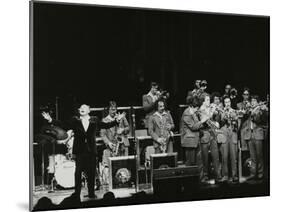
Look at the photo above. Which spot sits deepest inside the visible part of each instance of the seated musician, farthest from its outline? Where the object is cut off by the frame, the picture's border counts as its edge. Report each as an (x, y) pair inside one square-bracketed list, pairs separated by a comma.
[(115, 138), (54, 139), (159, 126)]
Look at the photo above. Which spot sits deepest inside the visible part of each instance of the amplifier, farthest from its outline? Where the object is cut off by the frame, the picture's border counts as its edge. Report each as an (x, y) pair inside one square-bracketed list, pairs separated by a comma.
[(163, 160), (175, 182), (176, 172), (122, 172)]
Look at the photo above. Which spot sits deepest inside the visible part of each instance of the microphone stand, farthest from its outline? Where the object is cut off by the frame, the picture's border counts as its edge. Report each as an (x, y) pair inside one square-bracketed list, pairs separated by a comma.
[(54, 149), (136, 147)]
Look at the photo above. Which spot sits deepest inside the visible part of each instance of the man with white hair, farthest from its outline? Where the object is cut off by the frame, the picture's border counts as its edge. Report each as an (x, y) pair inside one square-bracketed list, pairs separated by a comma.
[(84, 128)]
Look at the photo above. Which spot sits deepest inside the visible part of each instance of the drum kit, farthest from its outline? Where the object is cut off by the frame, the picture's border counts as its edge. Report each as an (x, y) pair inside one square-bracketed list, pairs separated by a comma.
[(61, 166)]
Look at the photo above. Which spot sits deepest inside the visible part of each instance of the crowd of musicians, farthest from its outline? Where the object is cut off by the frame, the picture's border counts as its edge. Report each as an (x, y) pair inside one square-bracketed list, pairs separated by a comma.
[(211, 123)]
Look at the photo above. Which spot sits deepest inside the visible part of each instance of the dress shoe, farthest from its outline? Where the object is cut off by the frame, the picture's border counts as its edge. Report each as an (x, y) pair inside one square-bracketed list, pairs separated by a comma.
[(251, 177), (91, 196), (235, 180)]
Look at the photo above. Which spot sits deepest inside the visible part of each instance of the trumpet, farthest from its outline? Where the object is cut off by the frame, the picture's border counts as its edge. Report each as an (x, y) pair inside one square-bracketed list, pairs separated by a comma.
[(214, 126), (216, 108), (253, 109), (231, 116), (233, 92), (163, 94)]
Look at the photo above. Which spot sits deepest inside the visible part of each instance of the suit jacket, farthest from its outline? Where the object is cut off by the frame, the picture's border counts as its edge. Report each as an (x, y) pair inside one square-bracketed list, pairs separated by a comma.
[(227, 134), (256, 131), (190, 127), (109, 135), (160, 127), (85, 141), (241, 105), (148, 106)]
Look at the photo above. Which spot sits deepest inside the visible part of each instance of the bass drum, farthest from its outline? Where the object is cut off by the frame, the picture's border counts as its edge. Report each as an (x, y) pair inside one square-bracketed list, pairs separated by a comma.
[(64, 174)]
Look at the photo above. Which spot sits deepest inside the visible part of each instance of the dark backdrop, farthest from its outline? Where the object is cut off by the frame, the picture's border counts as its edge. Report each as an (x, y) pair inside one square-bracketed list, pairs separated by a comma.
[(94, 54)]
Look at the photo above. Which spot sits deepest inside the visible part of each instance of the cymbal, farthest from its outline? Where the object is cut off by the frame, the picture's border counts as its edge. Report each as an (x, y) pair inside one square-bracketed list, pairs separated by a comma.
[(54, 131), (44, 139)]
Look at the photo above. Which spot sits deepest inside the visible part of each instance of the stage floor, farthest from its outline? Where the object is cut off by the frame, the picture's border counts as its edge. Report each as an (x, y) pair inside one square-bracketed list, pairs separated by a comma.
[(58, 196)]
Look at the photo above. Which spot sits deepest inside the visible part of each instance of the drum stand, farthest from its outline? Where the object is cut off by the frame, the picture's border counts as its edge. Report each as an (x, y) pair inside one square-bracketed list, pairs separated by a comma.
[(42, 186), (54, 166)]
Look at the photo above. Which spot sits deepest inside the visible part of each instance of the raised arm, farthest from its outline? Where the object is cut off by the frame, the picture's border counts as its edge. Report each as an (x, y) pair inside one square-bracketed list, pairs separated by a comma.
[(171, 121), (104, 137), (147, 105), (189, 121), (151, 129), (106, 125), (125, 125)]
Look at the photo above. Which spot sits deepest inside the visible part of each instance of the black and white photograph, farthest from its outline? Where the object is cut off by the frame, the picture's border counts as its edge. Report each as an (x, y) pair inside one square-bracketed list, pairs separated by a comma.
[(136, 106)]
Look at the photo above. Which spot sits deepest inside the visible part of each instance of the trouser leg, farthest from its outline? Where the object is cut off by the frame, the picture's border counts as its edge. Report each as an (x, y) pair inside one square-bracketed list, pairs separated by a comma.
[(190, 157), (253, 156), (205, 157), (78, 172), (105, 157), (259, 157), (126, 151), (215, 157), (199, 162), (224, 152), (170, 147), (233, 159), (157, 150), (91, 173)]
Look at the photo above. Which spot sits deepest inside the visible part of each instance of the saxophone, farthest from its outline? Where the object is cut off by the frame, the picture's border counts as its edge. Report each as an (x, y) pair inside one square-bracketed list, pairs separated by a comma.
[(166, 133), (119, 138)]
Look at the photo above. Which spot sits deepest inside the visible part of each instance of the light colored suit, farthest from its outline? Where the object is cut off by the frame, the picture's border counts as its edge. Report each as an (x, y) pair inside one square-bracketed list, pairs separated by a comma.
[(160, 126), (190, 126), (254, 135)]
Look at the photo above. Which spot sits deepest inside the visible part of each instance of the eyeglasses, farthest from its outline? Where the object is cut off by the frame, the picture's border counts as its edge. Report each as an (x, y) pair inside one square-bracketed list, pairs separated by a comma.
[(245, 94)]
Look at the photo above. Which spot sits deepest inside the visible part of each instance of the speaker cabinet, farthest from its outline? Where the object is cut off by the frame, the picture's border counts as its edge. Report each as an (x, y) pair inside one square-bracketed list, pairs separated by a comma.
[(122, 172)]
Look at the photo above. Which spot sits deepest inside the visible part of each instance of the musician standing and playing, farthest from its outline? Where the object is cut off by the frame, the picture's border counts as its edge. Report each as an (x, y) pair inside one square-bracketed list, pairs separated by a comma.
[(254, 135), (115, 138), (229, 143), (84, 146), (196, 88), (242, 107), (190, 129), (246, 99), (148, 102), (160, 128), (208, 138), (227, 91)]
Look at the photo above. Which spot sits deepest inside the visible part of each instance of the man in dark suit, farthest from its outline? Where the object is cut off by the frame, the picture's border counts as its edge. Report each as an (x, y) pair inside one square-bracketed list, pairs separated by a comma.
[(84, 146), (190, 127), (159, 126), (148, 102)]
